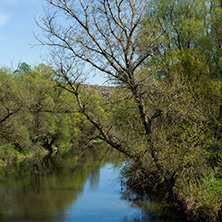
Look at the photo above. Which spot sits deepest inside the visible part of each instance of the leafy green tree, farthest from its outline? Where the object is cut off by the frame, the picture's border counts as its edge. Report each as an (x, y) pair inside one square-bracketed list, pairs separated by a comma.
[(46, 104), (12, 120), (155, 55), (34, 111)]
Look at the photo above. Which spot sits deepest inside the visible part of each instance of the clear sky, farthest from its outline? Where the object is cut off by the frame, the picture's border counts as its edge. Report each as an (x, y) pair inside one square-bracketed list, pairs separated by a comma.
[(17, 25)]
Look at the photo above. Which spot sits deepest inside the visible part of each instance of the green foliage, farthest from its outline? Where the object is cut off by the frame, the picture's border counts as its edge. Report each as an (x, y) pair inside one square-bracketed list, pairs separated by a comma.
[(185, 72), (33, 109), (182, 22), (176, 90), (214, 148)]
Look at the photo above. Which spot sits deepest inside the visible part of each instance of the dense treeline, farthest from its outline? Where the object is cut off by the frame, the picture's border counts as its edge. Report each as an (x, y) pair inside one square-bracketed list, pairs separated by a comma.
[(36, 115), (165, 112)]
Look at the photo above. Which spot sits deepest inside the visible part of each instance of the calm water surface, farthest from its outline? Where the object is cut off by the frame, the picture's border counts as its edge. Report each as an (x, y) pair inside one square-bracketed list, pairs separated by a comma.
[(70, 188)]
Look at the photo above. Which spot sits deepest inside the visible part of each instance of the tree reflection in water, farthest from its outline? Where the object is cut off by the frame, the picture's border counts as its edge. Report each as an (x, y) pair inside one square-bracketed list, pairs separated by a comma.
[(54, 188), (47, 186), (151, 209)]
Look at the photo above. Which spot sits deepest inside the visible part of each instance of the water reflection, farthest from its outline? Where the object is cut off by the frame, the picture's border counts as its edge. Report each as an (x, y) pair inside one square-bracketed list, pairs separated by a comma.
[(69, 187), (150, 210)]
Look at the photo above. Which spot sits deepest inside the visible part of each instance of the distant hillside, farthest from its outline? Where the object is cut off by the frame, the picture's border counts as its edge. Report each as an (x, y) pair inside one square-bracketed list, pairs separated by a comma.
[(104, 91)]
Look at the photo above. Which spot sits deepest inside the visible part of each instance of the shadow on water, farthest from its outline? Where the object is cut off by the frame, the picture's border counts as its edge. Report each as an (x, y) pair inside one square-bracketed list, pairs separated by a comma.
[(72, 186), (151, 209)]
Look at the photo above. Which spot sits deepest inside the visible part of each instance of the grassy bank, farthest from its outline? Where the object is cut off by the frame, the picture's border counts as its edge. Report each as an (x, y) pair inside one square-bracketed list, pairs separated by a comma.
[(12, 155)]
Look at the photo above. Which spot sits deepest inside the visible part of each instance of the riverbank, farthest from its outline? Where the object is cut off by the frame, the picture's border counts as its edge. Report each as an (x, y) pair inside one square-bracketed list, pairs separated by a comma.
[(175, 203), (77, 186), (19, 156), (185, 207)]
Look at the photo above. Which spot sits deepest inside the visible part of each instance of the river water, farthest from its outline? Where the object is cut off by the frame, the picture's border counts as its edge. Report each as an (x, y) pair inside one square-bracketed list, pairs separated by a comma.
[(70, 188)]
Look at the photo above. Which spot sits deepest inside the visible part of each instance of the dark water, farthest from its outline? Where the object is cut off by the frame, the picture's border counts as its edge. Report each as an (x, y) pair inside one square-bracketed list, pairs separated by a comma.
[(69, 187)]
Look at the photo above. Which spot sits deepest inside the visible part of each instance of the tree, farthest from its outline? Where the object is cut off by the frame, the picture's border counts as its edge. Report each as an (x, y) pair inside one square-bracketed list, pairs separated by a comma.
[(46, 106), (103, 34), (159, 116), (33, 111), (191, 47), (108, 35), (8, 96), (13, 131)]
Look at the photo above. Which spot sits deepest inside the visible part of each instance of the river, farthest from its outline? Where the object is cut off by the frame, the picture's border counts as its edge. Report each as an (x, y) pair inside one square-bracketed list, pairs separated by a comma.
[(70, 187)]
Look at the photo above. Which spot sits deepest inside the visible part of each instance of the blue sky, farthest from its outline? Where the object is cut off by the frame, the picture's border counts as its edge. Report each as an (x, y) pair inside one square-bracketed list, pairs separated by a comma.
[(17, 25)]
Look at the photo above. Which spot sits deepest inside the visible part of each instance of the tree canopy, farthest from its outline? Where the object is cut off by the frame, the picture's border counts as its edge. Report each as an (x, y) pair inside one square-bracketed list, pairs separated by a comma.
[(164, 61)]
